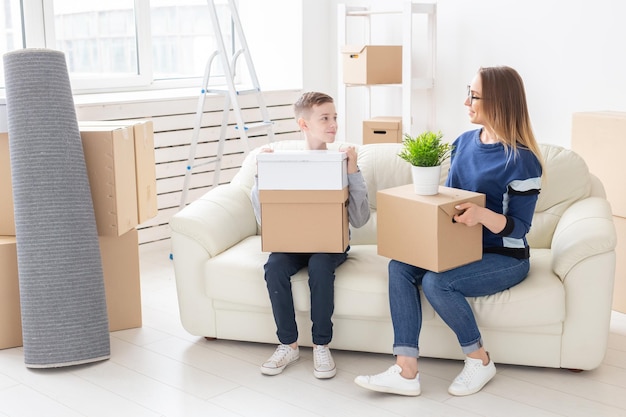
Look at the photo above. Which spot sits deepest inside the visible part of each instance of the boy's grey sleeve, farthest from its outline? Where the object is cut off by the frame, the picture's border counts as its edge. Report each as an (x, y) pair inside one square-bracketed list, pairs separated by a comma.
[(254, 196), (358, 200)]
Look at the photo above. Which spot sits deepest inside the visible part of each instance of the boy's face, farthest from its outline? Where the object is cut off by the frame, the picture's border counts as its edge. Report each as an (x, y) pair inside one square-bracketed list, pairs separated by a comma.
[(320, 127)]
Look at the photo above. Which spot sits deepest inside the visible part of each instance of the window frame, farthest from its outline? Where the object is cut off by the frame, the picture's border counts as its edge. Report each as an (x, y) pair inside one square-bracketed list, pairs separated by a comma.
[(38, 32)]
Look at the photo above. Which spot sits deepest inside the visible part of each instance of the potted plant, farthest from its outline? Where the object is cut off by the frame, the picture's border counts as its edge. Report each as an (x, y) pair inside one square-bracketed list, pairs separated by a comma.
[(425, 152)]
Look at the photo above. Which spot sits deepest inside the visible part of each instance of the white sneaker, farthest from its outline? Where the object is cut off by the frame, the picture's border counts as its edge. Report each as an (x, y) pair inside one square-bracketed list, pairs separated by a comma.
[(283, 356), (473, 377), (323, 363), (391, 381)]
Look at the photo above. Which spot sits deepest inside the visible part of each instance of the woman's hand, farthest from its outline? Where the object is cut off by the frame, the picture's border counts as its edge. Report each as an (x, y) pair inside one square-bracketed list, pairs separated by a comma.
[(472, 214)]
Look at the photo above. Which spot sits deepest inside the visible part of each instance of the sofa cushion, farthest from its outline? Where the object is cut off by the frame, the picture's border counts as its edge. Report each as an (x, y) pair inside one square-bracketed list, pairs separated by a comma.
[(236, 276), (539, 300)]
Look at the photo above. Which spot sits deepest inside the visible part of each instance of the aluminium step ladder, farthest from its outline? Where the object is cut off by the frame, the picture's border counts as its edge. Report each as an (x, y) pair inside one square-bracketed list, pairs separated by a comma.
[(231, 99)]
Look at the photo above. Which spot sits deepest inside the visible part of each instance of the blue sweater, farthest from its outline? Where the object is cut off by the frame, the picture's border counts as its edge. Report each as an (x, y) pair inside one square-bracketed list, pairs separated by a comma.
[(511, 182)]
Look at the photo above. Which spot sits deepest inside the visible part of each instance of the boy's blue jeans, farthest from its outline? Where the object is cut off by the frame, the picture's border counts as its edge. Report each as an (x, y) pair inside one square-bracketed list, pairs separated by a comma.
[(278, 271), (446, 292)]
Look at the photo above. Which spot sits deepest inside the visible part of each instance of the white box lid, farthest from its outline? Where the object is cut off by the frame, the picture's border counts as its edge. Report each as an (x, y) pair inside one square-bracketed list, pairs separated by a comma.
[(302, 170)]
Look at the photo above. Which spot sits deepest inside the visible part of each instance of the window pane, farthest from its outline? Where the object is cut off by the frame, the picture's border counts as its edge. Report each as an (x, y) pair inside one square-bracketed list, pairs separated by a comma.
[(183, 38), (11, 30), (98, 39)]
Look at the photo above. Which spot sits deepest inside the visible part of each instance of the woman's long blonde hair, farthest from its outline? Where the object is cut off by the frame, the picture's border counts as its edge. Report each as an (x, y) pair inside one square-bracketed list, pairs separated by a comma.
[(506, 110)]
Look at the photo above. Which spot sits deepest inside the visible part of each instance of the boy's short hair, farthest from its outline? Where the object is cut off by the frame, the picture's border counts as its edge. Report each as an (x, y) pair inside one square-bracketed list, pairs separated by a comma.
[(304, 105)]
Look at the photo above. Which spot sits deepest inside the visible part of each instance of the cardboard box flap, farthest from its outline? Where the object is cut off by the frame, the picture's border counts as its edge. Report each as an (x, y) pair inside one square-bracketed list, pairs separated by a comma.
[(449, 210), (353, 49)]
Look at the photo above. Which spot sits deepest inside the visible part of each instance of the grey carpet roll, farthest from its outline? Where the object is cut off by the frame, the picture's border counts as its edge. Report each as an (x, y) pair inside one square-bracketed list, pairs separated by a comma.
[(63, 305)]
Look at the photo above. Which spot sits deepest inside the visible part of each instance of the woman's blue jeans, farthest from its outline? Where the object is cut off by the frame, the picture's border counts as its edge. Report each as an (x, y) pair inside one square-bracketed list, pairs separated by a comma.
[(278, 271), (447, 292)]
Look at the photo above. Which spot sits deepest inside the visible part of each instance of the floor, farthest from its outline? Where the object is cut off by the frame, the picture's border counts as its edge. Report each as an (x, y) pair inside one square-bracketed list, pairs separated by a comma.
[(161, 370)]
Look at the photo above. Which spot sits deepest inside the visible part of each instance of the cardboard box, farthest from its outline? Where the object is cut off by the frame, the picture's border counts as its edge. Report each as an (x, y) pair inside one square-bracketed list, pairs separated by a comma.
[(7, 216), (419, 230), (145, 163), (382, 130), (372, 64), (619, 289), (304, 221), (600, 138), (120, 265), (110, 160), (302, 170), (10, 314), (145, 170)]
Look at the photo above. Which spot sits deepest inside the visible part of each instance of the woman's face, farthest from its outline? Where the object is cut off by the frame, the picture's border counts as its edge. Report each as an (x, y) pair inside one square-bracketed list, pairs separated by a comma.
[(474, 101)]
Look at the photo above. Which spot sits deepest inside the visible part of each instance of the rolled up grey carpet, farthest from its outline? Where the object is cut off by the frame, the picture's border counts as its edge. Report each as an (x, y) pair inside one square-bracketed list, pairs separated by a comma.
[(63, 305)]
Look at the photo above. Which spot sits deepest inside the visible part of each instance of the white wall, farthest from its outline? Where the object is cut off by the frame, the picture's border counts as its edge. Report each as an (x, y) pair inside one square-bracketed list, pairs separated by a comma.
[(273, 30), (570, 54)]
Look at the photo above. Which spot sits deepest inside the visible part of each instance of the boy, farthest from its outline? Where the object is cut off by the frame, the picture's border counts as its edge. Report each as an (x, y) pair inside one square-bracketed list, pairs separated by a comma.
[(317, 119)]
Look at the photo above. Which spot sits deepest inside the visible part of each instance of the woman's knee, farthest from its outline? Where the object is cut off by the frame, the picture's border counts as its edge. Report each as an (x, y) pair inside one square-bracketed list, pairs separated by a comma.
[(432, 284)]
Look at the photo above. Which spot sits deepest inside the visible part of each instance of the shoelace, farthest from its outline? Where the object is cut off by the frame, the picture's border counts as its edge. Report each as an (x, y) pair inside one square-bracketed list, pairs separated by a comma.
[(394, 370), (280, 353), (321, 356), (468, 373)]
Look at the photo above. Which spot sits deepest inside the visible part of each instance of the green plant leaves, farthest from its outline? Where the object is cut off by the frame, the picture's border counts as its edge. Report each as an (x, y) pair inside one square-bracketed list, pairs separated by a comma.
[(425, 150)]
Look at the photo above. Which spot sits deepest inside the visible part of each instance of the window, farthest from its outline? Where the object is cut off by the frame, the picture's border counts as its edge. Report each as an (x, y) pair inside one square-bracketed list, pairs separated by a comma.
[(121, 44), (11, 28)]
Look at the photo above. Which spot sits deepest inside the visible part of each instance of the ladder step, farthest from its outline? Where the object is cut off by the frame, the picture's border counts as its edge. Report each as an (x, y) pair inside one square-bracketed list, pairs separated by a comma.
[(210, 161), (256, 126), (231, 94), (238, 92)]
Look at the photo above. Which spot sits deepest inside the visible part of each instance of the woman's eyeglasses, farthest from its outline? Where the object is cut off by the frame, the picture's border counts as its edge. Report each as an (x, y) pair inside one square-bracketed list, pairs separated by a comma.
[(470, 96)]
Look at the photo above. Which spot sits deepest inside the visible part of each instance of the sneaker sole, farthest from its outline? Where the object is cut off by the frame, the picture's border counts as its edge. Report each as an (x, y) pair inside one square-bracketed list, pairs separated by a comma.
[(388, 390), (276, 371), (325, 374), (474, 391)]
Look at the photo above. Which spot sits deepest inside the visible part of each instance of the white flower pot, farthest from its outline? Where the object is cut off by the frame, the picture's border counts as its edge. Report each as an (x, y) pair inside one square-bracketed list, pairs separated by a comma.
[(426, 179)]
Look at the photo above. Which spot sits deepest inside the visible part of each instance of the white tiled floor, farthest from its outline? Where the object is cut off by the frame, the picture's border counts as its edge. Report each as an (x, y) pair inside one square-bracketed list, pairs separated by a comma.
[(161, 370)]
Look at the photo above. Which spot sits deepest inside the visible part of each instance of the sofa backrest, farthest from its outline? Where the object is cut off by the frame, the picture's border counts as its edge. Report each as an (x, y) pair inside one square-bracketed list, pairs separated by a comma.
[(566, 180)]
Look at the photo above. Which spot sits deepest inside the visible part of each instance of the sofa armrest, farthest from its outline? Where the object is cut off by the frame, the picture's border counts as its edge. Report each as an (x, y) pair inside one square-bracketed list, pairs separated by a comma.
[(585, 229), (218, 220)]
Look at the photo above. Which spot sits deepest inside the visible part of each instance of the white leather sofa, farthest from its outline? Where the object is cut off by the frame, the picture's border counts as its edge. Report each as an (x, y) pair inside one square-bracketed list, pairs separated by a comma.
[(557, 317)]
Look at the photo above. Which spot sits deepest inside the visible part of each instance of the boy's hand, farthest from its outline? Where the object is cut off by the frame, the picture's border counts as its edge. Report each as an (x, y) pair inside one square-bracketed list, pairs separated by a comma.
[(265, 150), (352, 157)]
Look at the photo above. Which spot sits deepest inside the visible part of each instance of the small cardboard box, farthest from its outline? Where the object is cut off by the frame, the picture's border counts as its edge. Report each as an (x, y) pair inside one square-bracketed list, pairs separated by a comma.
[(7, 217), (145, 163), (382, 129), (120, 266), (302, 170), (600, 138), (110, 160), (304, 221), (419, 230), (10, 314), (372, 64)]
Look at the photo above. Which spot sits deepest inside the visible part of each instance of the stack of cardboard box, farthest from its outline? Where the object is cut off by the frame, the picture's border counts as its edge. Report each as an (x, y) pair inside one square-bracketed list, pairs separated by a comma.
[(600, 138), (304, 198), (120, 163), (370, 65)]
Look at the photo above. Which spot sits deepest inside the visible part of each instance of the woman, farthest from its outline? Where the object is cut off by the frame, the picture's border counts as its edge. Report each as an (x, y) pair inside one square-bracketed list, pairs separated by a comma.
[(503, 161)]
